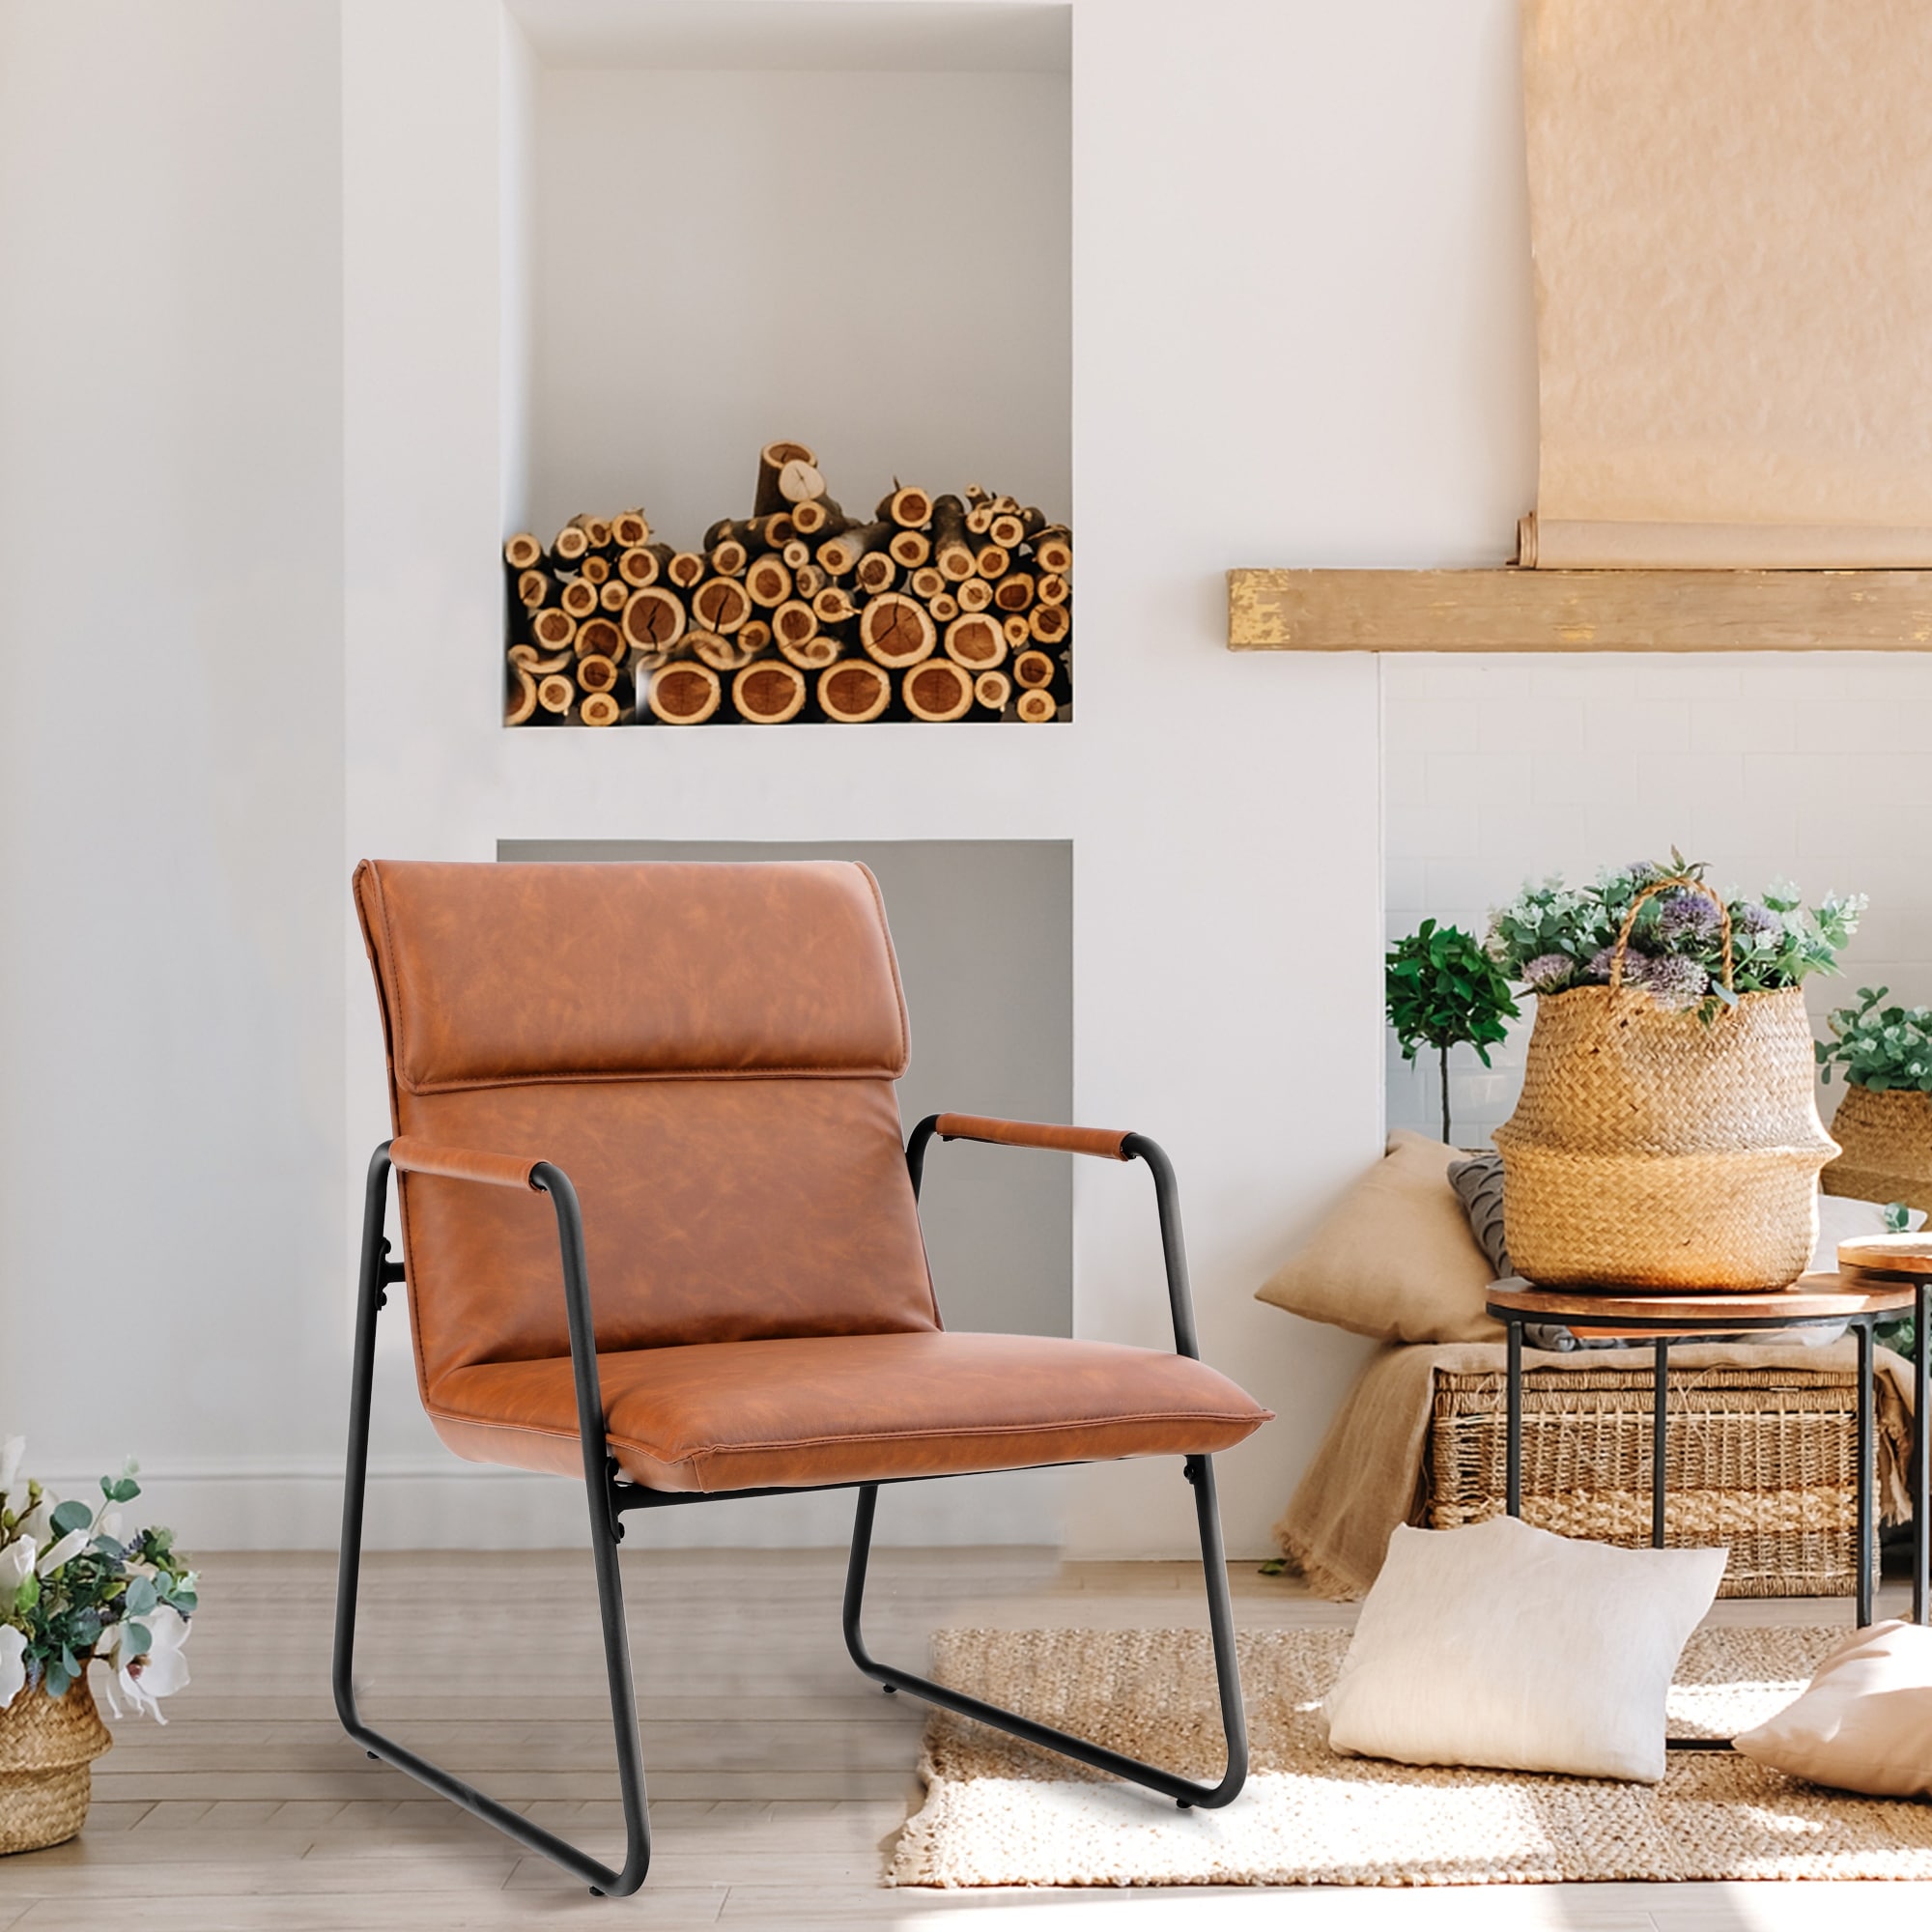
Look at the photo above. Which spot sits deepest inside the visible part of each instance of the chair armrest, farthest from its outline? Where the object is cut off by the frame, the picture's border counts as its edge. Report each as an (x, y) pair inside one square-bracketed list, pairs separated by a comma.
[(1102, 1142), (409, 1155)]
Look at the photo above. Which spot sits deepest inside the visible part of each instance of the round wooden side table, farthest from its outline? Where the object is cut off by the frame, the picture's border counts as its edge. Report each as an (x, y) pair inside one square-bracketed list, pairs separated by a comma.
[(1878, 1280)]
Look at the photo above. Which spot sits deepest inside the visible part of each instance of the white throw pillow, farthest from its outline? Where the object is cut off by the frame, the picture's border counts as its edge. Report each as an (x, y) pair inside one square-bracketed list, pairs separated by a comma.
[(1865, 1723), (1503, 1645)]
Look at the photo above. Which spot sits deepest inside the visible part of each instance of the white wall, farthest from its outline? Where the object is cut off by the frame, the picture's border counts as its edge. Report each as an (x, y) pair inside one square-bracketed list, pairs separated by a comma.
[(171, 1017), (1299, 335), (874, 263), (1768, 766)]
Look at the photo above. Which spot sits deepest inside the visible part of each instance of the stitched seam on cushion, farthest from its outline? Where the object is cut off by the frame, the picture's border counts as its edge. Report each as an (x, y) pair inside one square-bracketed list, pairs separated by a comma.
[(817, 1441), (967, 1429), (892, 965), (470, 1085)]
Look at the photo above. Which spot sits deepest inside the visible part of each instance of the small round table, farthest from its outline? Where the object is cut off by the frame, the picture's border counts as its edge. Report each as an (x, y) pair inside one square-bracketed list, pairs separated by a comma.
[(1880, 1280)]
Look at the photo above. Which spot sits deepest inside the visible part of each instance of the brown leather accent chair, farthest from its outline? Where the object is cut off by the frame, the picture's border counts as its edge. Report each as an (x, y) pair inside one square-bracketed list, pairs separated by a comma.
[(659, 1229)]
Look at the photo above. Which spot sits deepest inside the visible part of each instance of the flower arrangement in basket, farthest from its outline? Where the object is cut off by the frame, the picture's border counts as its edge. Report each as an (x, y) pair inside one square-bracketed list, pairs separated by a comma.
[(1884, 1124), (74, 1591), (1668, 1133)]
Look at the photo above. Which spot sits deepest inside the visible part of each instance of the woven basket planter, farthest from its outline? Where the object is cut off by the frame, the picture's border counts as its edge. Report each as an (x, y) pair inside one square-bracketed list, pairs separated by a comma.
[(1886, 1140), (1657, 1150), (47, 1748), (1761, 1459)]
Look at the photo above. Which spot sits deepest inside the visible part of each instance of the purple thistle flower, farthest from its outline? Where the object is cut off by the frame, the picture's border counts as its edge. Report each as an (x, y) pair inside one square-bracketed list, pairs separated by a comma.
[(1674, 983), (1597, 968), (1549, 971), (1753, 920), (1688, 918)]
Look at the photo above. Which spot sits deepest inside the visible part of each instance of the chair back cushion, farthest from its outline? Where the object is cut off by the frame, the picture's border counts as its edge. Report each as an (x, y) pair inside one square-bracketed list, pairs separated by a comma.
[(707, 1051)]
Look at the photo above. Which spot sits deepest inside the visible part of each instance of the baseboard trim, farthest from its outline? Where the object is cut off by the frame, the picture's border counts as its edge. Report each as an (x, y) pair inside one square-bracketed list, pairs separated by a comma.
[(447, 1504)]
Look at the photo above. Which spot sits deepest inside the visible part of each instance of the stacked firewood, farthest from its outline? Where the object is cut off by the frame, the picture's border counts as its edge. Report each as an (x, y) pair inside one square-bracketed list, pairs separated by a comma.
[(931, 607)]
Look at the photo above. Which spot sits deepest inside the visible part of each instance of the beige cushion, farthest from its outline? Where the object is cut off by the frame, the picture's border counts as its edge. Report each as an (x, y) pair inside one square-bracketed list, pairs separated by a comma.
[(1864, 1723), (1503, 1645), (1395, 1258)]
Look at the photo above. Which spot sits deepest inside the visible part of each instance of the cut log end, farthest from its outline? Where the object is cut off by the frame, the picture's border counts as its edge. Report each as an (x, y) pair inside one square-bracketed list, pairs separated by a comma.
[(1049, 623), (685, 568), (556, 694), (1006, 531), (1036, 707), (536, 589), (630, 529), (595, 570), (720, 604), (615, 595), (1053, 551), (977, 641), (896, 630), (853, 692), (729, 557), (907, 506), (595, 673), (909, 548), (937, 692), (774, 461), (601, 710), (973, 593), (992, 690), (768, 582), (685, 692), (832, 605), (521, 705), (654, 618), (768, 693), (876, 572), (1014, 592), (1019, 633), (522, 552), (992, 563), (579, 597), (553, 629), (600, 638), (1033, 671), (572, 544)]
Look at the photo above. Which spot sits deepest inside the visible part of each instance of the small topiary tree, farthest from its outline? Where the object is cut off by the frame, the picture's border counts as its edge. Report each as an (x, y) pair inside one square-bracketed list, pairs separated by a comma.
[(1443, 990)]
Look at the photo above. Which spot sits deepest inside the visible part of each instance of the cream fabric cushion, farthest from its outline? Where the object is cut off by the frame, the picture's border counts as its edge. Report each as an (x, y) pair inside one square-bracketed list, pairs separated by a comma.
[(1864, 1723), (1503, 1645), (1395, 1258)]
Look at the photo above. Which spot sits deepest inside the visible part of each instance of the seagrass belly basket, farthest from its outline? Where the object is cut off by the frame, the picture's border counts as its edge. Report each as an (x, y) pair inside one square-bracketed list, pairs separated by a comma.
[(1664, 1150)]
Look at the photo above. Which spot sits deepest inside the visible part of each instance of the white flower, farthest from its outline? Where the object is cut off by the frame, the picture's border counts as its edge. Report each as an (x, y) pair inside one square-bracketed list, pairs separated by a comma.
[(11, 1449), (12, 1663), (159, 1672), (70, 1546), (17, 1565)]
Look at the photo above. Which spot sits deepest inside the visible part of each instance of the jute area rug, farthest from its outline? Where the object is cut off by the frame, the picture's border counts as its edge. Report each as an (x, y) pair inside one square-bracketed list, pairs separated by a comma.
[(998, 1812)]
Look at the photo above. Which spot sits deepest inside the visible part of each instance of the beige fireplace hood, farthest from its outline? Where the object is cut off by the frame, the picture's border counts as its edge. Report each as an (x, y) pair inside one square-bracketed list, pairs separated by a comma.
[(1731, 237)]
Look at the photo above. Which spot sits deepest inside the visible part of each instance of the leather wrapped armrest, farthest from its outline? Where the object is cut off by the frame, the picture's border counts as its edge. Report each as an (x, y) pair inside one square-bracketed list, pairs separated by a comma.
[(453, 1163), (1102, 1142)]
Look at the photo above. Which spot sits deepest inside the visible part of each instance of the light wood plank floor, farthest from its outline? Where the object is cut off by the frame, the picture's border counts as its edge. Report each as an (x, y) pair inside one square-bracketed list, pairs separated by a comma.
[(778, 1775)]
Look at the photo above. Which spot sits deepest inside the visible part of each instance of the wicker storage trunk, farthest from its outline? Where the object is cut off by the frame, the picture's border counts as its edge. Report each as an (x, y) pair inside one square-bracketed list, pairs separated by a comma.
[(1759, 1459)]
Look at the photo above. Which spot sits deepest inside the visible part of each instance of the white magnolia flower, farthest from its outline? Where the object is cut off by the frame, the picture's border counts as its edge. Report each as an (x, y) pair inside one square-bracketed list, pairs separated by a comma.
[(12, 1663), (11, 1449), (69, 1547), (17, 1565), (157, 1672)]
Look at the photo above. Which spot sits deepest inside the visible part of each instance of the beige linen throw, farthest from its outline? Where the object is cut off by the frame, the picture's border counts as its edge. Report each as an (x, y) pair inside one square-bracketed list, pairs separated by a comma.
[(1367, 1477)]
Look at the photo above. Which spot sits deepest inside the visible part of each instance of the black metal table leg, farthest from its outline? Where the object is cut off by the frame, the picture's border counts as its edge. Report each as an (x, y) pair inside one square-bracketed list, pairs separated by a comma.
[(1922, 1452), (1513, 1426), (1660, 1438), (1866, 1474)]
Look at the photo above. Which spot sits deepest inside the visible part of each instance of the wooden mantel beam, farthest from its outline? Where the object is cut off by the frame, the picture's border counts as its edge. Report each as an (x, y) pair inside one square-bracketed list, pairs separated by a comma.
[(1511, 609)]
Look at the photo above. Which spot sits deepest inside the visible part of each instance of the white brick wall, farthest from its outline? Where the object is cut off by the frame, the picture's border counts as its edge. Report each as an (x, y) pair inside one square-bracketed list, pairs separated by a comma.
[(1814, 767)]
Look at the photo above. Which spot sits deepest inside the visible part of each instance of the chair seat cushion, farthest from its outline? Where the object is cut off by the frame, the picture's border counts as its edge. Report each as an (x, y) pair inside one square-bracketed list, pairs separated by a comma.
[(847, 1409)]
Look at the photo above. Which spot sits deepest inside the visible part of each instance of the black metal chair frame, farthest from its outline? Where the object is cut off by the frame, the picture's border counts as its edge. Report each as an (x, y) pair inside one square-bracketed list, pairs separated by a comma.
[(610, 1497)]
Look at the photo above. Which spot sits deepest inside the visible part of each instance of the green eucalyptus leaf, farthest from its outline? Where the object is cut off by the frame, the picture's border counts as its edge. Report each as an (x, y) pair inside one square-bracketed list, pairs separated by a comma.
[(69, 1517), (142, 1595)]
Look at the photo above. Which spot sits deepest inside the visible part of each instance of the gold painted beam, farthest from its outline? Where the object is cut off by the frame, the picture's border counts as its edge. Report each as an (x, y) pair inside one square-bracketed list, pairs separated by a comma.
[(1512, 609)]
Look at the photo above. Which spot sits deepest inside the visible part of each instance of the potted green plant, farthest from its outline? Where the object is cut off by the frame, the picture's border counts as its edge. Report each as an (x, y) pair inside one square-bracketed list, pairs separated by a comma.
[(75, 1590), (1884, 1124), (1443, 990)]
